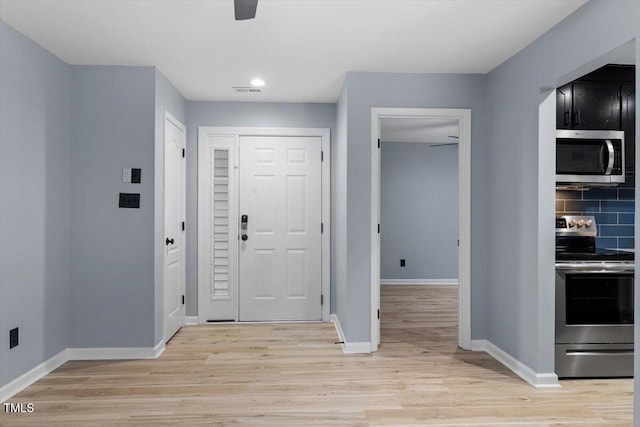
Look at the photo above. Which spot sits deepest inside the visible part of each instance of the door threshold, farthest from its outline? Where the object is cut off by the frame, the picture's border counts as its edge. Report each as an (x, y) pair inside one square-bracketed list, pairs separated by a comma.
[(251, 322)]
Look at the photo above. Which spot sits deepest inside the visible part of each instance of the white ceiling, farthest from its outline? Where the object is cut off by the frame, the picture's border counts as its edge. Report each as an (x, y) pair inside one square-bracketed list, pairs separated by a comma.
[(301, 48), (423, 130)]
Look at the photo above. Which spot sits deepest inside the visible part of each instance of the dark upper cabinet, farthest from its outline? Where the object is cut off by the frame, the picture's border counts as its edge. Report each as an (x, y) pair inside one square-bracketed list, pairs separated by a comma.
[(563, 107), (602, 100), (628, 124), (596, 106)]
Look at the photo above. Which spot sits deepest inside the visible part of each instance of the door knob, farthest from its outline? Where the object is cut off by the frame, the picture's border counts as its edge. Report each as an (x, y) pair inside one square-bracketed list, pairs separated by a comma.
[(244, 237), (168, 241)]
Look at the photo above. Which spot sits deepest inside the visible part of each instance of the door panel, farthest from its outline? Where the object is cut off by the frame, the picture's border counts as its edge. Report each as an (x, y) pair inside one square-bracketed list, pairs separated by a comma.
[(265, 192), (280, 262), (296, 204), (174, 208), (263, 277), (297, 278)]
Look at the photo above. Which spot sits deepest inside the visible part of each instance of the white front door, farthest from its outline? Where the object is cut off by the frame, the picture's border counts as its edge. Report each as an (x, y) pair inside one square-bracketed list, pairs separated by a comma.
[(174, 211), (280, 193)]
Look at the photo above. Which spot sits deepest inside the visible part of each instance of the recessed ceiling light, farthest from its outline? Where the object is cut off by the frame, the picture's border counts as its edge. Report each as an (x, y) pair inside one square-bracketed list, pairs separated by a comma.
[(257, 82)]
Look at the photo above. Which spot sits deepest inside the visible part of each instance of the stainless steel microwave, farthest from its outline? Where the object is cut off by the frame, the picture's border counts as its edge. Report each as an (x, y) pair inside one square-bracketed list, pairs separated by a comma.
[(589, 157)]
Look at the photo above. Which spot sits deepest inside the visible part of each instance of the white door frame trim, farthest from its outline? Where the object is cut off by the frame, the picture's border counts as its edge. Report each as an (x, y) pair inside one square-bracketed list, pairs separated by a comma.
[(464, 224), (324, 134), (182, 127)]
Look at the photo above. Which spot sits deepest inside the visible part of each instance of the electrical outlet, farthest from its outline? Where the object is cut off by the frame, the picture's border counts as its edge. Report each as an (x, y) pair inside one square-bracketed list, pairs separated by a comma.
[(13, 338), (402, 262)]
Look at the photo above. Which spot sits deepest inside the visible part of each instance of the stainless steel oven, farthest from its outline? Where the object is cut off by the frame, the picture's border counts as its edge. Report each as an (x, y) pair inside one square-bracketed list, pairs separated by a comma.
[(594, 304), (594, 320)]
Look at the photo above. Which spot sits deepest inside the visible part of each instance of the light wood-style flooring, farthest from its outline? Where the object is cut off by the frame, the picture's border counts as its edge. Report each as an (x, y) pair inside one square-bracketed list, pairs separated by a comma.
[(295, 374)]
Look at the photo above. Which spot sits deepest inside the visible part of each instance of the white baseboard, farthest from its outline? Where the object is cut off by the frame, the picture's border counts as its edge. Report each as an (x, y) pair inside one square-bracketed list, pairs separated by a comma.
[(427, 282), (349, 347), (191, 320), (100, 353), (538, 380), (25, 380), (108, 353), (336, 323), (356, 347)]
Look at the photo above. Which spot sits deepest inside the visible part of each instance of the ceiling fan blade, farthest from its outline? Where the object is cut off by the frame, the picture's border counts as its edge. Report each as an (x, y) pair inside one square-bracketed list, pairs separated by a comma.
[(245, 9), (444, 144)]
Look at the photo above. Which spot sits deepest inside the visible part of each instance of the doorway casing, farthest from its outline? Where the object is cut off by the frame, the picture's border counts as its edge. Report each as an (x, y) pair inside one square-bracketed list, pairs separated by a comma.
[(464, 222), (324, 135)]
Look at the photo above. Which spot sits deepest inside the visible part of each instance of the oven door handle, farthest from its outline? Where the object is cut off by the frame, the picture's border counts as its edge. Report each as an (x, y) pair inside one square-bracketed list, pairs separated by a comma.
[(611, 151), (604, 267), (603, 352)]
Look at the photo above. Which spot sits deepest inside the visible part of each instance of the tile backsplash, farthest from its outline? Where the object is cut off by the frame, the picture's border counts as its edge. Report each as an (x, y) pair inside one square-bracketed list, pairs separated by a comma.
[(613, 209)]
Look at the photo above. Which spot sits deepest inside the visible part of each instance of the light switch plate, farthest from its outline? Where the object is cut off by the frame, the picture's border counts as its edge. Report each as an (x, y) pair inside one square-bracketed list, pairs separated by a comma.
[(126, 174), (136, 175), (129, 200)]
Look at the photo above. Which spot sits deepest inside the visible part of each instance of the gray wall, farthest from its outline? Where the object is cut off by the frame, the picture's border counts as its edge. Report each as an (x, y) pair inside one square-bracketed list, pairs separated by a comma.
[(34, 203), (167, 98), (520, 285), (367, 90), (202, 113), (112, 255), (418, 211)]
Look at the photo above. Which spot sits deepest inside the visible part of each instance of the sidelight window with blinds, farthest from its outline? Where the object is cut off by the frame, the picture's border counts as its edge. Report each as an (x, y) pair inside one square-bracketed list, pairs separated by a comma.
[(220, 228), (217, 228)]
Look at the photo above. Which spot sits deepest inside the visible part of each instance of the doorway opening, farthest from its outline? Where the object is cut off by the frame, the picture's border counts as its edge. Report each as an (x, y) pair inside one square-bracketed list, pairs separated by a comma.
[(430, 135), (419, 229)]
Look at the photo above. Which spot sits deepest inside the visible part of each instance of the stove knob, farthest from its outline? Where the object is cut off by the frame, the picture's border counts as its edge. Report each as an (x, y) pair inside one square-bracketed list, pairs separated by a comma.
[(580, 223), (588, 223), (572, 223)]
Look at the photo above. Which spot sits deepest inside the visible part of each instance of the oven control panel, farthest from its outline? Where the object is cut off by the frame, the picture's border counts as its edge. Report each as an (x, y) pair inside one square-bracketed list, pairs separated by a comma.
[(576, 225)]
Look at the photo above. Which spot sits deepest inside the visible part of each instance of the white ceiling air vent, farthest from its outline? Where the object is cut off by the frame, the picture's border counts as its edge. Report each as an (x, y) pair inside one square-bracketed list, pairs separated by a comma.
[(244, 89)]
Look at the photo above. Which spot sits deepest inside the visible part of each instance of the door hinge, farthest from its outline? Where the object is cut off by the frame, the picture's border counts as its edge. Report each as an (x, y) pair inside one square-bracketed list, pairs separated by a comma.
[(321, 227), (321, 299), (378, 228), (378, 314), (182, 225), (182, 299), (458, 242), (322, 156), (184, 154), (378, 142)]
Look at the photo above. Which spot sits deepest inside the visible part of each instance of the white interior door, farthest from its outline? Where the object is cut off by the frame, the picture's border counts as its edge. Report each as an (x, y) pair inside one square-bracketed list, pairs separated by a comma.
[(280, 260), (174, 211)]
